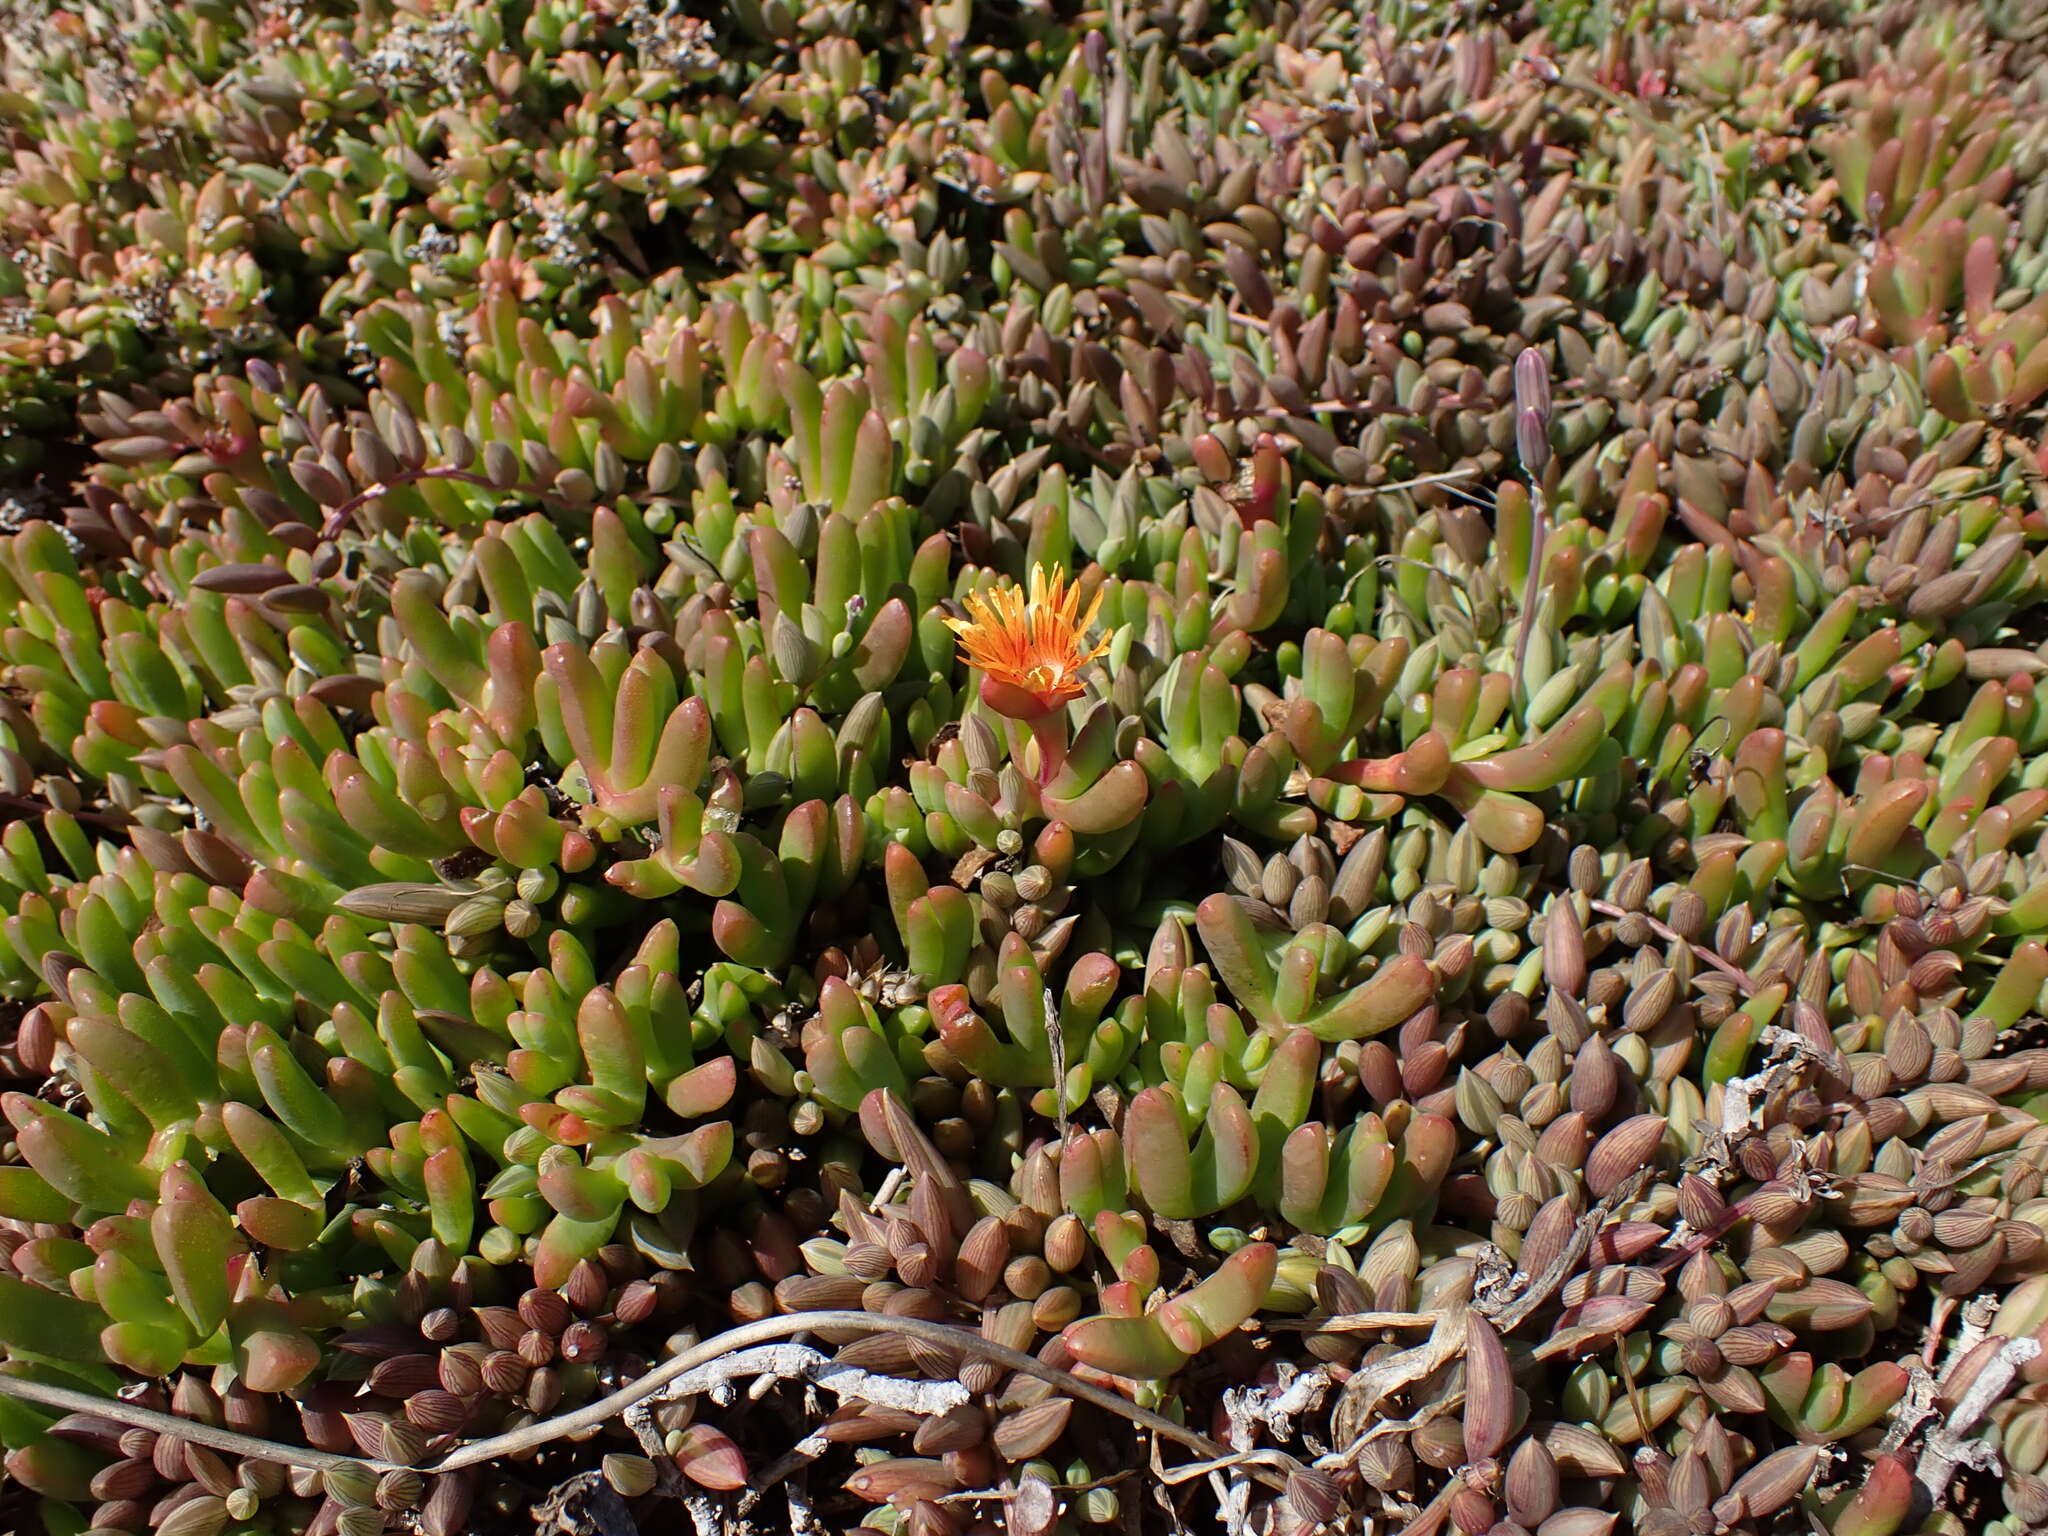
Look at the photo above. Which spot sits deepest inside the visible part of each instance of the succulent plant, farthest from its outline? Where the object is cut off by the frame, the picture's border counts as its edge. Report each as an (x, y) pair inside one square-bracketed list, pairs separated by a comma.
[(1249, 734)]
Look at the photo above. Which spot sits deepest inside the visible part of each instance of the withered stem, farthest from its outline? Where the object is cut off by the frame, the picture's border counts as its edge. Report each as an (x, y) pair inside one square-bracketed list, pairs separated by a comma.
[(337, 520), (591, 1415)]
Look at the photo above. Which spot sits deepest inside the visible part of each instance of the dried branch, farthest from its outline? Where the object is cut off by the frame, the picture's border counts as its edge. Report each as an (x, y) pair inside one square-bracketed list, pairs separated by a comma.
[(584, 1505), (1369, 1387), (1950, 1445), (116, 1410), (1978, 1314), (1788, 1052), (1911, 1411), (713, 1359)]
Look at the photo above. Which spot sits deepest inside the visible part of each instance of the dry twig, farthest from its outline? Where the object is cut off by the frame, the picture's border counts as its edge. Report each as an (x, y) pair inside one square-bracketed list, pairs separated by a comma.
[(715, 1351)]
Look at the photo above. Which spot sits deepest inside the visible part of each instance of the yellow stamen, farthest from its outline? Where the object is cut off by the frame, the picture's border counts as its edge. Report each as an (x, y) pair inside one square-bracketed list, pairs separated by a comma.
[(1036, 641)]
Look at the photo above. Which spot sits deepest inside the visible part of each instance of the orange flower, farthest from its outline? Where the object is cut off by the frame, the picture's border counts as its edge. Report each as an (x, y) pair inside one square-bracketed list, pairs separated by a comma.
[(1029, 649)]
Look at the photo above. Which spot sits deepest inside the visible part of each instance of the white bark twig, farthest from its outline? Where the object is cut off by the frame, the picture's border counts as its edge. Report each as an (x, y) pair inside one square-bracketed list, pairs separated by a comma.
[(1741, 1096), (1913, 1410), (799, 1456), (704, 1514), (800, 1362), (1977, 1315), (891, 1182), (802, 1522), (1949, 1445), (1056, 1044), (678, 1366)]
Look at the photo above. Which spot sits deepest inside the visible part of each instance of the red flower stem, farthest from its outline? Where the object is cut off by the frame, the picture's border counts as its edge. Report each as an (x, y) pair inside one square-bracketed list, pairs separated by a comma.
[(1050, 732), (1539, 534)]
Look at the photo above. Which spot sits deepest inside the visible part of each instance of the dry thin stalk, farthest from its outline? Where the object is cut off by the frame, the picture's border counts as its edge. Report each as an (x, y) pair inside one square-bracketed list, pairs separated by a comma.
[(1056, 1041), (1448, 477), (1511, 1313), (338, 520), (1743, 981), (1635, 1395), (1355, 1322), (1532, 441)]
